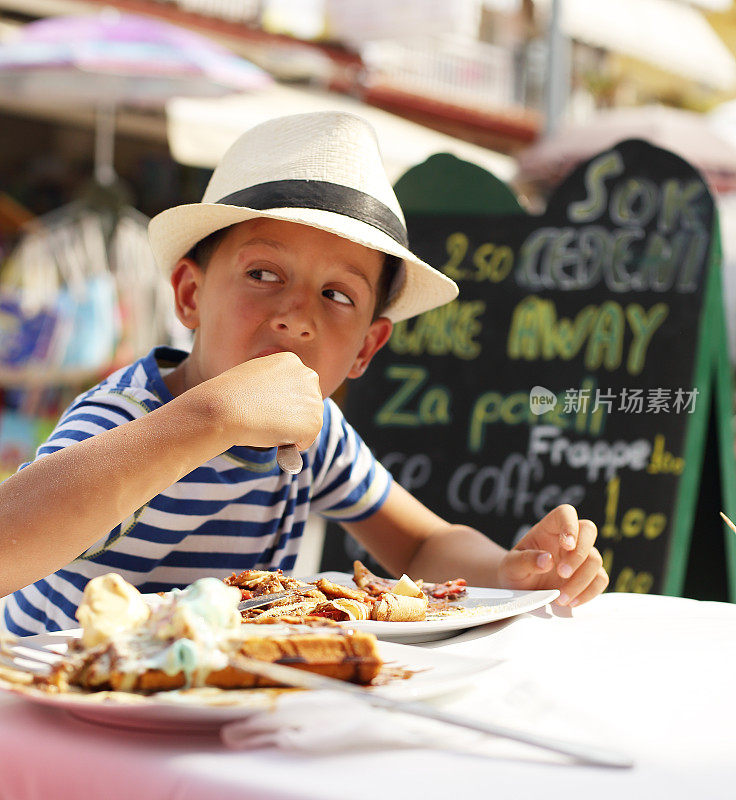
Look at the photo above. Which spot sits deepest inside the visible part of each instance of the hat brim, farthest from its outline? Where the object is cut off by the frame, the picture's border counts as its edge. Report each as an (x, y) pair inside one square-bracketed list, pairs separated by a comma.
[(176, 230)]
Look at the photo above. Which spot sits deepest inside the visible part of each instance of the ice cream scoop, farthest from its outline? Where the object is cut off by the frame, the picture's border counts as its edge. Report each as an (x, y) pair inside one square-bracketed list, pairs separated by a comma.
[(109, 605)]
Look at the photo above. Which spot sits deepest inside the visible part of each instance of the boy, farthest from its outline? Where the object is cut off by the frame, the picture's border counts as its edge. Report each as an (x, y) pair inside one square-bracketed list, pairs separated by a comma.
[(166, 472)]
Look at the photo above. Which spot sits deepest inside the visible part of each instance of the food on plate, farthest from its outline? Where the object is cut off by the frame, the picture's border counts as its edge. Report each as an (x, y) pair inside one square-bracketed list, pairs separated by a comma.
[(449, 590), (375, 598), (399, 608), (194, 637), (436, 593), (368, 582), (406, 586), (343, 609), (303, 597), (332, 590), (323, 598), (258, 582)]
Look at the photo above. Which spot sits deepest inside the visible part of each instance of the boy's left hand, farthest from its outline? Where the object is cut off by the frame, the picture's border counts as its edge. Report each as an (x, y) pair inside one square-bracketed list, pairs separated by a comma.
[(557, 553)]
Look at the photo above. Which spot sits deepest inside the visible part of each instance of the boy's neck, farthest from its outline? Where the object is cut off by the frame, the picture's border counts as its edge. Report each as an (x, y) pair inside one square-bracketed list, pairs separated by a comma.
[(176, 380)]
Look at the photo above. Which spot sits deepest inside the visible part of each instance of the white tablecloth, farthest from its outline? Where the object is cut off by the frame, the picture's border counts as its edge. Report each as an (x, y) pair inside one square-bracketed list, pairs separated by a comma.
[(652, 676)]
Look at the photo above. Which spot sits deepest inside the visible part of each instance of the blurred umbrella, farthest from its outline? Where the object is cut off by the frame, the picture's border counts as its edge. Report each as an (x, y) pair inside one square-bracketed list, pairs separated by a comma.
[(81, 288), (685, 133), (111, 59)]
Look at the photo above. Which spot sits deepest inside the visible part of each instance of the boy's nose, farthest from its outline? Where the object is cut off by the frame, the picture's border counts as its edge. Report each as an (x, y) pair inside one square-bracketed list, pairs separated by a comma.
[(293, 318)]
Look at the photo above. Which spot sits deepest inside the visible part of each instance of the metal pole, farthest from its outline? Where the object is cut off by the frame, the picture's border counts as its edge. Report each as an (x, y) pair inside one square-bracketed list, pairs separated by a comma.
[(105, 144), (558, 70)]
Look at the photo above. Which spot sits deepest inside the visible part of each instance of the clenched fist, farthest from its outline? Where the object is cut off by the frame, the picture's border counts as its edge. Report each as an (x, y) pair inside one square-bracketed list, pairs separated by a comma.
[(266, 402)]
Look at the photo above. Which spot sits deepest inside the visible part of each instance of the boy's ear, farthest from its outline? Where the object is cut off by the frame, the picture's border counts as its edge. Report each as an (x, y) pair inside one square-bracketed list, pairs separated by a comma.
[(377, 336), (185, 280)]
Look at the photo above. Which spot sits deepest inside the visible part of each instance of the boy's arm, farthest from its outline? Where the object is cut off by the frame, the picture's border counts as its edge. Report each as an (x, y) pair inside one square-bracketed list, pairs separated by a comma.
[(558, 552), (58, 506)]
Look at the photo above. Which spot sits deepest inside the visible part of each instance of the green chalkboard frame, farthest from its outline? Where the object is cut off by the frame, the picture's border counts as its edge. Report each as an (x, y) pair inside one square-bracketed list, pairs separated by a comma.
[(713, 377), (456, 186), (444, 184)]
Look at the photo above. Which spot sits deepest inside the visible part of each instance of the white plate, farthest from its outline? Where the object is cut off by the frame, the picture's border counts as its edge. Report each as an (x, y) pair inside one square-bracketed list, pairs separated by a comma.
[(201, 710), (483, 606)]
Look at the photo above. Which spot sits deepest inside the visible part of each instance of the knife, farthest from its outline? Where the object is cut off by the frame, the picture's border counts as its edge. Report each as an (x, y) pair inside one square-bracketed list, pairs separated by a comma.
[(289, 676), (289, 458), (263, 600)]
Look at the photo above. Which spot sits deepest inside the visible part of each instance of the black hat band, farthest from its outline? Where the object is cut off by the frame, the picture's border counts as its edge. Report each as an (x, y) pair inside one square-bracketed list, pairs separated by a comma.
[(323, 196)]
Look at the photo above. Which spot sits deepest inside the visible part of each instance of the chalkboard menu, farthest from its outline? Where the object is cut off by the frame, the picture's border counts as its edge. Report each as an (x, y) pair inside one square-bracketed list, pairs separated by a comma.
[(576, 366)]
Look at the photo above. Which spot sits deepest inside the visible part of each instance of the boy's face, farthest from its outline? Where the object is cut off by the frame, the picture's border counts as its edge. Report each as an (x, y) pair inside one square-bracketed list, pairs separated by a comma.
[(274, 286)]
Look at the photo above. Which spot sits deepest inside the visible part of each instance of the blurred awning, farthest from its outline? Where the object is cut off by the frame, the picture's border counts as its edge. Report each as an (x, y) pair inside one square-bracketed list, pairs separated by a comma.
[(201, 129), (670, 35), (686, 133)]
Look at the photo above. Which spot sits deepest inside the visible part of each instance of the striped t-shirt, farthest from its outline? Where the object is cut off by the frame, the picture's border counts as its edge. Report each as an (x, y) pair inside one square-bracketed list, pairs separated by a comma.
[(237, 511)]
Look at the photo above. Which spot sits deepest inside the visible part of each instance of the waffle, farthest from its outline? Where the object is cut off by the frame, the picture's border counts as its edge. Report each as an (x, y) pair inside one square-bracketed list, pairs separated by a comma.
[(194, 638), (331, 651)]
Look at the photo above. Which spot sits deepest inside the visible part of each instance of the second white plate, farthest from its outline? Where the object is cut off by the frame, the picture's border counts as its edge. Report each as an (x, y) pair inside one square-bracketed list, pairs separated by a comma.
[(482, 606)]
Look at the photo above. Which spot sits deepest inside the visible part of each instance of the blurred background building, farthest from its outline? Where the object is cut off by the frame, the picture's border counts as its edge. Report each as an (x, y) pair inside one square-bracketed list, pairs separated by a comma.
[(474, 69), (525, 88), (477, 70)]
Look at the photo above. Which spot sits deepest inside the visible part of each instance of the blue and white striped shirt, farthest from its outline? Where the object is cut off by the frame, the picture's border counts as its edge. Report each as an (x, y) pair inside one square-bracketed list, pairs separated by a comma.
[(237, 511)]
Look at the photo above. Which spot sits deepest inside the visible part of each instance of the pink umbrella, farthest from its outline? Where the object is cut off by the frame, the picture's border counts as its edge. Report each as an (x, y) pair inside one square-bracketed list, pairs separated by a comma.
[(87, 266), (111, 59)]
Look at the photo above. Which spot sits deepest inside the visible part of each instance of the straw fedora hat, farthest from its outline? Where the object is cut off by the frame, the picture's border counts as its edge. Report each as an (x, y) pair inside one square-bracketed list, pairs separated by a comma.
[(321, 169)]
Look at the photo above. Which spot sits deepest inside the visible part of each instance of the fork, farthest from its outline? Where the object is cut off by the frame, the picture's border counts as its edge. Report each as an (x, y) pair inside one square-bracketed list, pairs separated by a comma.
[(20, 656), (264, 600)]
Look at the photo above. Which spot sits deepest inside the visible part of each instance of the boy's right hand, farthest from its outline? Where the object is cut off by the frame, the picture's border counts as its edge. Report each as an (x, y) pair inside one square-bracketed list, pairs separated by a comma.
[(268, 401)]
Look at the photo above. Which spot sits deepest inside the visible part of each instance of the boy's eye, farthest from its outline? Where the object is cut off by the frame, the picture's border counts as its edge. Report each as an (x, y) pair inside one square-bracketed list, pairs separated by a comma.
[(265, 275), (338, 297)]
